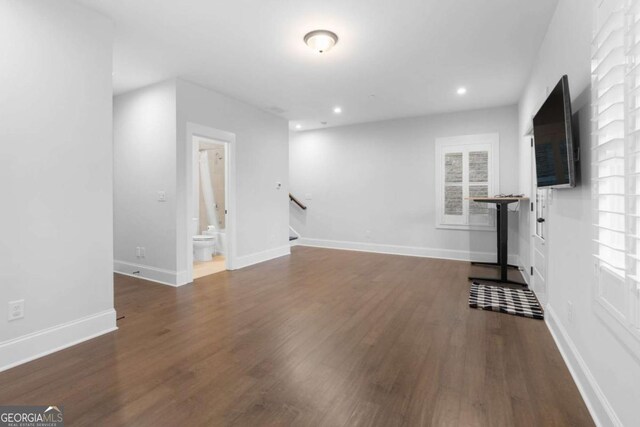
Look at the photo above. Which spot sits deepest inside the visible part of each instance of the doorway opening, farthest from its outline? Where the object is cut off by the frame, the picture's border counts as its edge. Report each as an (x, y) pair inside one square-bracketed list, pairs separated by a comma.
[(210, 206), (189, 209)]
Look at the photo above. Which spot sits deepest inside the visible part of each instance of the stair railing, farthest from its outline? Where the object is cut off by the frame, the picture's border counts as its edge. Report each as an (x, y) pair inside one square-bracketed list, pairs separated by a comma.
[(297, 202)]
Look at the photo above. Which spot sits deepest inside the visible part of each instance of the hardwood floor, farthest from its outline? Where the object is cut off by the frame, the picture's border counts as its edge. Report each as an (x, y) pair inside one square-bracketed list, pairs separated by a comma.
[(322, 337)]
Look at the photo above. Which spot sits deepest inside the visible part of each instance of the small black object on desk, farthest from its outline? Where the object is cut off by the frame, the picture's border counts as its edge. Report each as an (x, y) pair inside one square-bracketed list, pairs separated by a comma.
[(503, 235)]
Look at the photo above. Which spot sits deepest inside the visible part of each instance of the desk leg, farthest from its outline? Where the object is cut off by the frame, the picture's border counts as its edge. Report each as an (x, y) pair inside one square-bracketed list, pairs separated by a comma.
[(499, 233), (498, 262), (503, 224), (503, 237)]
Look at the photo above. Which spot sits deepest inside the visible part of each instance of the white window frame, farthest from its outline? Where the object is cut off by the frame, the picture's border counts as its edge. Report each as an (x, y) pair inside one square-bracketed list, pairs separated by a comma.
[(466, 143)]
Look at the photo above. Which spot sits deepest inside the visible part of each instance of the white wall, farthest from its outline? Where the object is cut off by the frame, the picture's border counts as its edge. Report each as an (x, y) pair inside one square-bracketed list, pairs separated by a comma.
[(56, 242), (144, 134), (380, 178), (150, 126), (261, 160), (607, 372)]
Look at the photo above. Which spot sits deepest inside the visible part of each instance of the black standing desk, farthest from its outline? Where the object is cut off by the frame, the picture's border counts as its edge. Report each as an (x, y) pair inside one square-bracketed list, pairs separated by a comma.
[(502, 204)]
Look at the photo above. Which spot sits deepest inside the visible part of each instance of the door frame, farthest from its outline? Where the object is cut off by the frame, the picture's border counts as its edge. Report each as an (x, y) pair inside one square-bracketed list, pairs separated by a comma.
[(542, 294), (197, 179), (229, 139)]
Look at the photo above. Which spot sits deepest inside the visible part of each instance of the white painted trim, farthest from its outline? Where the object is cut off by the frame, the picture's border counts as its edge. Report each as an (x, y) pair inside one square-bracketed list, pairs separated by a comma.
[(597, 403), (295, 232), (32, 346), (196, 130), (153, 274), (524, 272), (541, 294), (258, 257), (183, 278), (405, 250), (293, 243)]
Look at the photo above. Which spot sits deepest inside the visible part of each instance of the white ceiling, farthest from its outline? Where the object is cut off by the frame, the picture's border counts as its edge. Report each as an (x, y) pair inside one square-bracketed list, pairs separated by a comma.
[(411, 55)]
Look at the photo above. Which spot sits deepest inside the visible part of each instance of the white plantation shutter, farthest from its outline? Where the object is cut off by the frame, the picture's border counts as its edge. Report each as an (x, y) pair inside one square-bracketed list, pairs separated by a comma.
[(478, 160), (453, 183), (616, 158), (632, 161), (608, 156)]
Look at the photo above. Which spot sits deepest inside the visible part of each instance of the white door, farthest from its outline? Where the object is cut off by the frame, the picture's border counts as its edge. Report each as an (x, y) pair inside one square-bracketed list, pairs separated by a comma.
[(539, 235)]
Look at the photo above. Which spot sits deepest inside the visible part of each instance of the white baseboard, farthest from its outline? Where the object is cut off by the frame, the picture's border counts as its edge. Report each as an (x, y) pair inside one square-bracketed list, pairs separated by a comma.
[(179, 278), (597, 403), (524, 270), (26, 348), (404, 250), (525, 274), (153, 274), (182, 278), (247, 260)]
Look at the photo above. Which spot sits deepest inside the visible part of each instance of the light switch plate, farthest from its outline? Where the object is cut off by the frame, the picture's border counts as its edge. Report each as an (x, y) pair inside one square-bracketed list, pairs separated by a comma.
[(162, 196)]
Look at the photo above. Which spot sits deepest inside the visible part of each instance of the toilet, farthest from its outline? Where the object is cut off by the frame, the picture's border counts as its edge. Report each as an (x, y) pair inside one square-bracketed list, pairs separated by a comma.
[(203, 247), (221, 247)]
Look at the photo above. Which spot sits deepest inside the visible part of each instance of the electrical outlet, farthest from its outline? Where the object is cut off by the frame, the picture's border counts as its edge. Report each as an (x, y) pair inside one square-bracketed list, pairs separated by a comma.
[(162, 196), (143, 252), (16, 310), (138, 252), (570, 311)]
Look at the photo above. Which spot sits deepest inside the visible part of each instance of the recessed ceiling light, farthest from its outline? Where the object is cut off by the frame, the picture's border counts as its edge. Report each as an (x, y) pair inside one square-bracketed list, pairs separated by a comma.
[(321, 40), (337, 110), (462, 90), (298, 126)]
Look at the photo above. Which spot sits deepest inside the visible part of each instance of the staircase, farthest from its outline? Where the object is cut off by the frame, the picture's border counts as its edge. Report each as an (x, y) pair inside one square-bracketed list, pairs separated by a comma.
[(293, 234)]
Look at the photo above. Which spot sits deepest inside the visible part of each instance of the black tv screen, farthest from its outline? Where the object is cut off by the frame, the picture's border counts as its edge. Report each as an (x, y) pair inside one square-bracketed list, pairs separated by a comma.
[(553, 139)]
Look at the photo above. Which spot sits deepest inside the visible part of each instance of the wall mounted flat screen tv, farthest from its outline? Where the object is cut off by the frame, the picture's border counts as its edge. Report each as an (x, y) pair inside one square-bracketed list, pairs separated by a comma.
[(553, 139)]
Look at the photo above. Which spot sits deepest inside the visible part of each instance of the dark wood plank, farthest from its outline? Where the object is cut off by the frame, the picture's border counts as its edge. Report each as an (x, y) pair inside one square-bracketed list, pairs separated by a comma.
[(322, 337)]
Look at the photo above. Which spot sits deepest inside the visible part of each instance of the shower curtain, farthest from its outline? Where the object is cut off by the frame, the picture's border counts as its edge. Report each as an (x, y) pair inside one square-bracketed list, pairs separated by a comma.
[(207, 189)]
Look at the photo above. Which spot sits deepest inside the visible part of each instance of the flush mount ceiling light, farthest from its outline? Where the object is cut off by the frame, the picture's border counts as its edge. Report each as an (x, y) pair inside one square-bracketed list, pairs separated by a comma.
[(461, 90), (321, 40), (298, 126), (337, 110)]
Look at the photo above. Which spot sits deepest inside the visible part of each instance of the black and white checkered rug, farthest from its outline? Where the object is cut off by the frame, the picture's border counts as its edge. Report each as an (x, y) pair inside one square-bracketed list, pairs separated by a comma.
[(519, 302)]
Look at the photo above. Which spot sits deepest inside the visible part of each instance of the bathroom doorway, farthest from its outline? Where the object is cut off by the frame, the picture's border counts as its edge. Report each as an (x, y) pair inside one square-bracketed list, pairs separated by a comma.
[(207, 245), (210, 206)]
